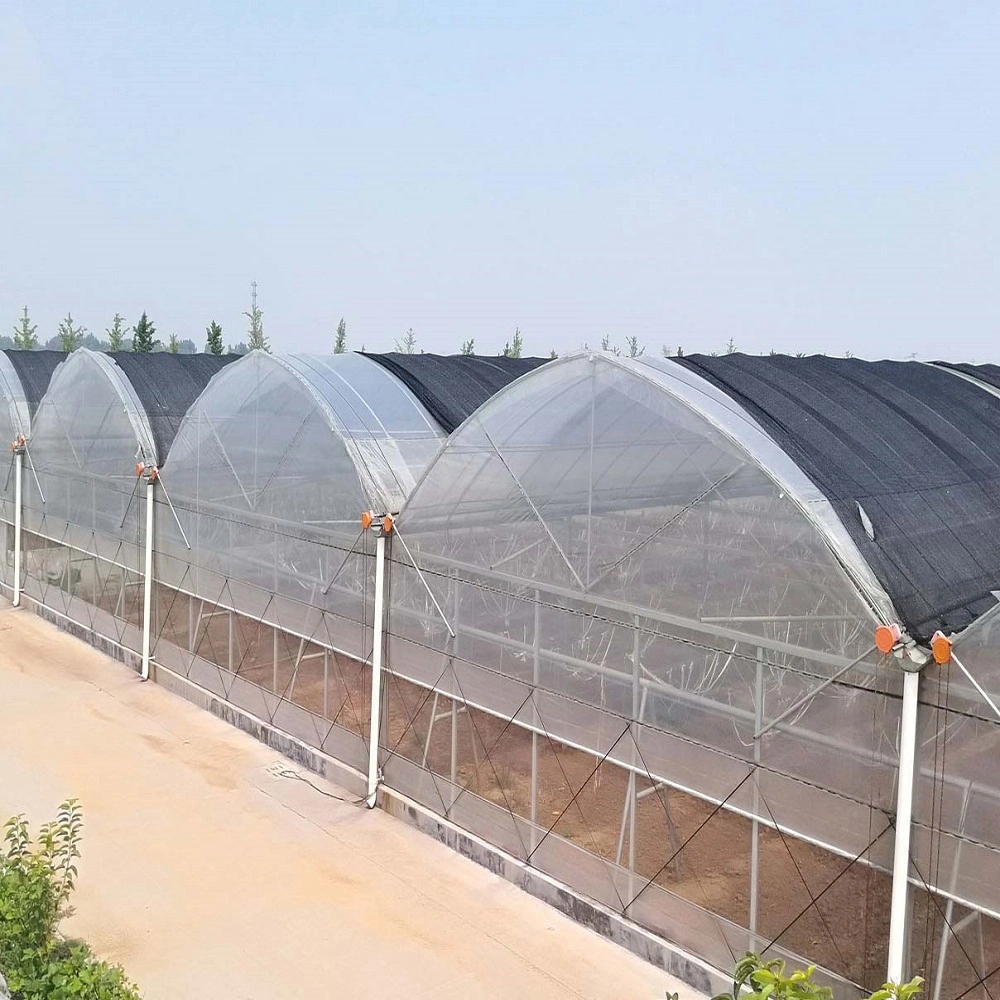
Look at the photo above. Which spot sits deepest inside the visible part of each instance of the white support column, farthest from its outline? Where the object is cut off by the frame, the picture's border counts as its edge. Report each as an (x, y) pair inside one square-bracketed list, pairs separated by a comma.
[(904, 813), (758, 723), (147, 582), (18, 466), (378, 625)]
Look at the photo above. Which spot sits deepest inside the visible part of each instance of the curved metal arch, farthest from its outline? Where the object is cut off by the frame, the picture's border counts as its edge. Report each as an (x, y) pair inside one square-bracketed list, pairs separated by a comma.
[(120, 384), (382, 485), (746, 435), (13, 392)]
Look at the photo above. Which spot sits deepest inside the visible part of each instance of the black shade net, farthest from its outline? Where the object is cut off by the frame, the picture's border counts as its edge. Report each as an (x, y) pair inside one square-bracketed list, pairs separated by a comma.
[(990, 374), (452, 387), (913, 445), (167, 384)]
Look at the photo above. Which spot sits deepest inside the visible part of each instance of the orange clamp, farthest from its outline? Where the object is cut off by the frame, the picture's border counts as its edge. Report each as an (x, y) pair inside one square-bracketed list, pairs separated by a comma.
[(387, 524), (366, 520), (886, 637), (941, 648)]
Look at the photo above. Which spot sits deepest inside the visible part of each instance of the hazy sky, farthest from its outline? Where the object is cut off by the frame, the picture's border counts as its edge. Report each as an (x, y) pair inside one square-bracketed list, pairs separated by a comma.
[(817, 176)]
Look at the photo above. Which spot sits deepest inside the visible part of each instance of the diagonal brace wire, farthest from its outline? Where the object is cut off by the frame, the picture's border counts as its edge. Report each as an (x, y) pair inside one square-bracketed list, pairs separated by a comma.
[(430, 592)]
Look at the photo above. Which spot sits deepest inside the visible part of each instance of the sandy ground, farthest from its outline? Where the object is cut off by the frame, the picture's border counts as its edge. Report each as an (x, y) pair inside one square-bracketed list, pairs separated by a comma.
[(208, 877)]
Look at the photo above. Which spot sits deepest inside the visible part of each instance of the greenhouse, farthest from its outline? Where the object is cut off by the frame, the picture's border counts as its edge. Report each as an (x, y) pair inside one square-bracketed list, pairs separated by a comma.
[(711, 643)]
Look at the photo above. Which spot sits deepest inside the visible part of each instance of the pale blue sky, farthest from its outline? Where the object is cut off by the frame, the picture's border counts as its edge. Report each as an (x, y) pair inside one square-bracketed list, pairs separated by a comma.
[(801, 175)]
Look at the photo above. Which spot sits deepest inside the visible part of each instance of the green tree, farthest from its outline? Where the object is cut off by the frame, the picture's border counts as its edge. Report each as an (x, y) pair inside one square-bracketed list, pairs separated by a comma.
[(70, 336), (469, 347), (213, 339), (116, 334), (731, 346), (408, 345), (513, 348), (24, 333), (606, 346), (239, 348), (173, 344), (143, 335), (256, 340), (340, 344), (634, 349), (553, 355)]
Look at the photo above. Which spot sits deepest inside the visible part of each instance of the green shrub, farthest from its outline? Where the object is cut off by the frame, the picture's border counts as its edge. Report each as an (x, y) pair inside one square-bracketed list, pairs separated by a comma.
[(36, 881), (758, 980), (754, 979)]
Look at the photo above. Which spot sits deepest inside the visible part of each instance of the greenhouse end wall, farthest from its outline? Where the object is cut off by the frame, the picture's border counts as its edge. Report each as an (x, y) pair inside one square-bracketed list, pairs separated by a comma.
[(619, 647)]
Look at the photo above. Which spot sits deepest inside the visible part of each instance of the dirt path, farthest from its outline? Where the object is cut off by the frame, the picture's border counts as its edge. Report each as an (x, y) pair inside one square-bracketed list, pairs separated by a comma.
[(210, 878)]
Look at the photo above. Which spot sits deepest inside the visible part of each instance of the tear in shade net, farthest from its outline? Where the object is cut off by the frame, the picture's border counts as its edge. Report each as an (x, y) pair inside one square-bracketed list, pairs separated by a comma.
[(907, 455), (452, 387), (624, 577), (166, 385), (269, 474), (34, 369)]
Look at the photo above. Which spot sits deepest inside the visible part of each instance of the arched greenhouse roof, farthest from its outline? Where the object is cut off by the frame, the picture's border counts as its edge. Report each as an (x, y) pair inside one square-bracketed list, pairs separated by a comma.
[(153, 390), (452, 387), (270, 424), (895, 464), (908, 455), (610, 479)]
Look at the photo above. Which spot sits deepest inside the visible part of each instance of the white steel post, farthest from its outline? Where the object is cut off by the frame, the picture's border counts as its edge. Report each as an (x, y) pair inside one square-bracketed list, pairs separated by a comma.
[(904, 813), (147, 584), (375, 727), (758, 722), (18, 462)]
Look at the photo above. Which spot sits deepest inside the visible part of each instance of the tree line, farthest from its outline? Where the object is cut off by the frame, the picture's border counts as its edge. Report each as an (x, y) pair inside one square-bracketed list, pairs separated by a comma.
[(142, 338)]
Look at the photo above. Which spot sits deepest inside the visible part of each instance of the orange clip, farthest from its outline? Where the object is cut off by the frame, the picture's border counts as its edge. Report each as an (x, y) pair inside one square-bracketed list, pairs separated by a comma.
[(366, 520), (387, 524), (154, 473), (886, 636), (941, 648), (139, 469)]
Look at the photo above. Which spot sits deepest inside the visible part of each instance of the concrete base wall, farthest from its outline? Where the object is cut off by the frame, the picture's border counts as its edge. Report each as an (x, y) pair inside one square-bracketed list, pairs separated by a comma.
[(608, 923)]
